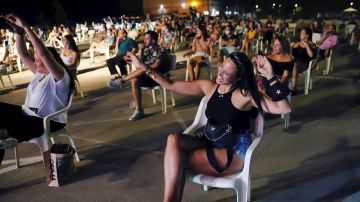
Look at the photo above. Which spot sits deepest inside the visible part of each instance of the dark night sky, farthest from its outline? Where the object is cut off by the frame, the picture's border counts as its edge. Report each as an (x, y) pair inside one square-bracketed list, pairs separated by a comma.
[(49, 11), (59, 11)]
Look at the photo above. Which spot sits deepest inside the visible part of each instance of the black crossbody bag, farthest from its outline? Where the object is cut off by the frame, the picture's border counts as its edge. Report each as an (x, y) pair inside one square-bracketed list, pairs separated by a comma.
[(217, 136)]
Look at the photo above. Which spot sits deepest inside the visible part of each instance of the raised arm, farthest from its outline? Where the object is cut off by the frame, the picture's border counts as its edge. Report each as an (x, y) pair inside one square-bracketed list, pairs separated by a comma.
[(276, 103), (44, 54), (198, 87)]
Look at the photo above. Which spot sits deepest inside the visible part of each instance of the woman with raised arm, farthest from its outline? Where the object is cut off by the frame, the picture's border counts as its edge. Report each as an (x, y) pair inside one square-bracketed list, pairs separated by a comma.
[(49, 91), (230, 98)]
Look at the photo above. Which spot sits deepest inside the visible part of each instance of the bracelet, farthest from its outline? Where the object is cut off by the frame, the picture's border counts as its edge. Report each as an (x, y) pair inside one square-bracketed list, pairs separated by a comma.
[(149, 70), (272, 79)]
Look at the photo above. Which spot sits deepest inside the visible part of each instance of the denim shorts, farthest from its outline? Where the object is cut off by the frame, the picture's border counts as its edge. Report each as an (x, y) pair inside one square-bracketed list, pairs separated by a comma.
[(242, 141)]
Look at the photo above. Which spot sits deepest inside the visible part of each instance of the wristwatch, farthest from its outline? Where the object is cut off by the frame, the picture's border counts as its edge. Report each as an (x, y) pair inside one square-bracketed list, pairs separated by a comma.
[(148, 70)]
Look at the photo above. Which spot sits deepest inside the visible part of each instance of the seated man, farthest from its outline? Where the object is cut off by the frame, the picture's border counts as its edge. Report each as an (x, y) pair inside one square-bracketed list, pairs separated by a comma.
[(229, 43), (150, 53), (122, 46)]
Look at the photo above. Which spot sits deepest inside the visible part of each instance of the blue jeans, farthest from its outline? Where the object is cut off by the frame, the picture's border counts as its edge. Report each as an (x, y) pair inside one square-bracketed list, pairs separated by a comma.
[(242, 141)]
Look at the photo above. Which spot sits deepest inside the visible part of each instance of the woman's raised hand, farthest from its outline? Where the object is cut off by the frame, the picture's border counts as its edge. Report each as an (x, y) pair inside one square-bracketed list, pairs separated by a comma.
[(263, 66), (133, 59), (16, 20)]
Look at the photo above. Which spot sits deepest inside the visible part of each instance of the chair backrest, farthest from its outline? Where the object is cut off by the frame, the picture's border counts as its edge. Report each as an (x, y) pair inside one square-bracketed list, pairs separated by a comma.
[(200, 118), (316, 37)]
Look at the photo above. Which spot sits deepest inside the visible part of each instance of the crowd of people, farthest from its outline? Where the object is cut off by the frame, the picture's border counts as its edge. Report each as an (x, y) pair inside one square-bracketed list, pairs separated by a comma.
[(242, 83)]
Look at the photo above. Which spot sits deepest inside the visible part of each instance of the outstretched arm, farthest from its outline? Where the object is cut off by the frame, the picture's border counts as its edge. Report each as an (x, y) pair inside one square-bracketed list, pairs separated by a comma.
[(198, 87)]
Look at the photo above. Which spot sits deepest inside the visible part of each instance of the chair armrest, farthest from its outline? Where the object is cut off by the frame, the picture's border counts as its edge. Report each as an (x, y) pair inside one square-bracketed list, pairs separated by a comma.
[(46, 121), (48, 118)]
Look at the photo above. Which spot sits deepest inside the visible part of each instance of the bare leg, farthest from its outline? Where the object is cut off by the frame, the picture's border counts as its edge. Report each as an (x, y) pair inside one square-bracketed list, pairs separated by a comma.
[(197, 70), (191, 70), (219, 56), (174, 164), (136, 92), (295, 76), (46, 156)]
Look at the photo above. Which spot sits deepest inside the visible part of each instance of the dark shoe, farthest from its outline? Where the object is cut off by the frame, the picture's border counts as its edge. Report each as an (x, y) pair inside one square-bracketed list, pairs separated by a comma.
[(8, 143), (138, 114)]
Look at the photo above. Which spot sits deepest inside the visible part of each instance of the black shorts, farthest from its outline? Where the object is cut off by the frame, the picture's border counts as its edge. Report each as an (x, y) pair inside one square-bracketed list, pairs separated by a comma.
[(146, 81)]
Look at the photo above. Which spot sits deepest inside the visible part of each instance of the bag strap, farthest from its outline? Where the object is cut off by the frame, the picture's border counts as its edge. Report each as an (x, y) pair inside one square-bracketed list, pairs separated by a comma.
[(212, 159)]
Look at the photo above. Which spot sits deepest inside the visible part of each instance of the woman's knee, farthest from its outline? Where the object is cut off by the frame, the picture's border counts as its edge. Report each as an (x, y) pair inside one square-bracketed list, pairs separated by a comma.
[(173, 140)]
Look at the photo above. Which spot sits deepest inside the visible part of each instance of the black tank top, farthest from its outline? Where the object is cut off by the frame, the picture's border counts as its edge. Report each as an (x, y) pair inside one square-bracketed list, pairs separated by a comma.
[(221, 110)]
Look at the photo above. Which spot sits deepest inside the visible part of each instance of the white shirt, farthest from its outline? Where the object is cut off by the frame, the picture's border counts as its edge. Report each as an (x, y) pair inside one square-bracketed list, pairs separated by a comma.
[(66, 59), (47, 96)]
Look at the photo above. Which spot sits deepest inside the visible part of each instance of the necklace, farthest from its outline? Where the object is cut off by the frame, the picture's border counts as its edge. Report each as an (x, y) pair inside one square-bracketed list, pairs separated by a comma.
[(221, 95)]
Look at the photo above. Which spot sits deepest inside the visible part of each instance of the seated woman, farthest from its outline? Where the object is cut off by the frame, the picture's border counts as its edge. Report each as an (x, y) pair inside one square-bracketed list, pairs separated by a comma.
[(48, 92), (70, 54), (201, 45), (231, 97), (5, 62), (249, 38), (303, 52), (167, 39), (281, 61)]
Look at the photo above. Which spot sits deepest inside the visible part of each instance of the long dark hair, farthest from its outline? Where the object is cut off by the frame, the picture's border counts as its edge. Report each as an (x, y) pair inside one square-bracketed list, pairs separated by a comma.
[(72, 44), (308, 32), (246, 83), (58, 59), (204, 31), (284, 43)]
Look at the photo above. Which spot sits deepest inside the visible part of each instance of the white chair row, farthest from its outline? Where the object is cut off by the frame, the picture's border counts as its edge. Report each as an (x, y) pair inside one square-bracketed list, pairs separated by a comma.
[(241, 181)]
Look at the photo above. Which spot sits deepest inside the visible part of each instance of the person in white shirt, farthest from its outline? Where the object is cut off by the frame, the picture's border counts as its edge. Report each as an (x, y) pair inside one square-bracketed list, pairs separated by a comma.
[(49, 91)]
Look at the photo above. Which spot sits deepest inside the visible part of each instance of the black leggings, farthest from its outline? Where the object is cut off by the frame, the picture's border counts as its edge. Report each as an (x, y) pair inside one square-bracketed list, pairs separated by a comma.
[(21, 126)]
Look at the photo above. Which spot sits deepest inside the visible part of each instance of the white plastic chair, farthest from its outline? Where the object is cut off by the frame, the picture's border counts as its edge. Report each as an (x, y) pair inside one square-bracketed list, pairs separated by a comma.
[(316, 37), (91, 34), (43, 141), (208, 61), (286, 117), (4, 72), (240, 181), (292, 28), (162, 90), (329, 64), (308, 79)]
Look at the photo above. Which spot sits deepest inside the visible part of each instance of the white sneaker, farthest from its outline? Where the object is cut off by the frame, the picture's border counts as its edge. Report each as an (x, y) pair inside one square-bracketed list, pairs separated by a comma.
[(138, 114), (115, 83), (8, 143)]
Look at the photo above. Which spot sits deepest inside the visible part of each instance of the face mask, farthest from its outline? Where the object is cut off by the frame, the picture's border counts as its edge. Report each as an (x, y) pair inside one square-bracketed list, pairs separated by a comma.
[(66, 46), (227, 32)]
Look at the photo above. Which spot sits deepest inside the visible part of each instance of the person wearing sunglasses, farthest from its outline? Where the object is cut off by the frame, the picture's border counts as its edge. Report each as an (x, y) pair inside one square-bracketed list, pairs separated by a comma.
[(231, 97)]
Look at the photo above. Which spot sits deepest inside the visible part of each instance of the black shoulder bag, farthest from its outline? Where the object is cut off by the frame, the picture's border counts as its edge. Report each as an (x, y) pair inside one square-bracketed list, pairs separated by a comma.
[(217, 136)]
